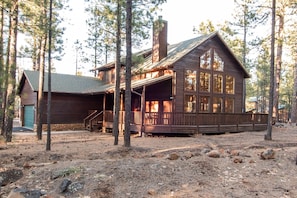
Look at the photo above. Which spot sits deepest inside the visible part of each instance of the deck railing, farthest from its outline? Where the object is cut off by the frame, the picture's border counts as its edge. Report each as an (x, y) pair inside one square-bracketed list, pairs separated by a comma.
[(168, 118)]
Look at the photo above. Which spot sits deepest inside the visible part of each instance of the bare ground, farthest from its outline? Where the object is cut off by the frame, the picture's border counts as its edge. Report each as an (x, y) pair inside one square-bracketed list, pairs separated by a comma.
[(155, 166)]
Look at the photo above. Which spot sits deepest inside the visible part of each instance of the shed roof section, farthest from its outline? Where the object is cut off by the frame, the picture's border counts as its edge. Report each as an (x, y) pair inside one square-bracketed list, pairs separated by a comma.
[(64, 83)]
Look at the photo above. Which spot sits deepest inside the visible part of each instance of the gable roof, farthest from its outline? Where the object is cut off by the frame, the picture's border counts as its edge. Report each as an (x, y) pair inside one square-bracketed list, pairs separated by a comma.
[(175, 53), (62, 83)]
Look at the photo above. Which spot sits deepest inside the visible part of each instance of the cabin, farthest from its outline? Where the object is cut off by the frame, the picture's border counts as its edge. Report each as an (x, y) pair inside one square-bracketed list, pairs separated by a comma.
[(195, 86)]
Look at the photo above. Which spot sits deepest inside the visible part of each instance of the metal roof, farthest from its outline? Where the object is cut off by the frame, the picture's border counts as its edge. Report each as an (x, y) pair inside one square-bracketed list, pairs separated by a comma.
[(175, 52), (64, 83)]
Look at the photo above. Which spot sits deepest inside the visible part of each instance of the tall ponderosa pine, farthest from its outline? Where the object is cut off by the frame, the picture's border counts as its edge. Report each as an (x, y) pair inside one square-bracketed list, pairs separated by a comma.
[(2, 71), (268, 135), (11, 70), (127, 141), (117, 93)]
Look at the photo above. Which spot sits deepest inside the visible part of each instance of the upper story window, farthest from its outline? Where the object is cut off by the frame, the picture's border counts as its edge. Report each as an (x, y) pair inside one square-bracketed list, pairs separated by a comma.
[(218, 83), (218, 63), (230, 82), (190, 80), (205, 81), (205, 60)]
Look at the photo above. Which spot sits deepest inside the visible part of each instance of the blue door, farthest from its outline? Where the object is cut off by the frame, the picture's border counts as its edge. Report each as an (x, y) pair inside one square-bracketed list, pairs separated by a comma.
[(29, 116)]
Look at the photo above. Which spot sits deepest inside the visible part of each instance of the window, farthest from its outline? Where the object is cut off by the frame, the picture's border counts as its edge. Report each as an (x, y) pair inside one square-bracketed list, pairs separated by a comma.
[(204, 104), (190, 80), (230, 82), (217, 83), (229, 105), (205, 60), (152, 106), (218, 63), (217, 104), (190, 103), (204, 81)]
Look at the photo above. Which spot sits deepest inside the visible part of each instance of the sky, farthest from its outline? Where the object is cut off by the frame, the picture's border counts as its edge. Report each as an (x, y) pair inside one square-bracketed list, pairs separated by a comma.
[(181, 15)]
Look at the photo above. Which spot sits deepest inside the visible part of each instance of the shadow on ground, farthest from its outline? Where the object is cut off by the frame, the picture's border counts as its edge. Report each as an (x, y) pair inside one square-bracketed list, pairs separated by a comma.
[(21, 129)]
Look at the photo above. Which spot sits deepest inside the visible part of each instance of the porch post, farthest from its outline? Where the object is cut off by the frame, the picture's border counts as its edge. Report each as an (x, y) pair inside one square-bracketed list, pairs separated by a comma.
[(103, 121), (142, 130)]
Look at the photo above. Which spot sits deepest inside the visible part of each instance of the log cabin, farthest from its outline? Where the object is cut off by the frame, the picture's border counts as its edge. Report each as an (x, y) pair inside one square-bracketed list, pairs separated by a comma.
[(195, 86)]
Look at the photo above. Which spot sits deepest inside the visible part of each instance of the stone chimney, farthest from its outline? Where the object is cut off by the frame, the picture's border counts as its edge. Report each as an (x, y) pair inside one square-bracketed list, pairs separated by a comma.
[(159, 40)]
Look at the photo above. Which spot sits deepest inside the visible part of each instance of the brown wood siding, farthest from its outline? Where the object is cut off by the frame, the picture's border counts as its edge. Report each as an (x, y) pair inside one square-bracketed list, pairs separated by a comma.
[(191, 61), (28, 97), (70, 108), (160, 91)]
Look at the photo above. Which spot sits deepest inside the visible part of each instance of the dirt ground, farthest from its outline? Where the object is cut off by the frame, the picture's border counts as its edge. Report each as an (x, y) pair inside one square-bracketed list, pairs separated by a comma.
[(154, 166)]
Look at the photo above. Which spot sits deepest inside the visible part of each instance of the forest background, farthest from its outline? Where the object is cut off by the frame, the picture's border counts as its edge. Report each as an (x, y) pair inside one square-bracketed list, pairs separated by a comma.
[(247, 33)]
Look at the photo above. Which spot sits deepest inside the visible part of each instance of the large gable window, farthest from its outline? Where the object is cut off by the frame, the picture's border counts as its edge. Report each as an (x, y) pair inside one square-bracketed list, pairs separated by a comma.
[(230, 82), (205, 60), (190, 80), (204, 82), (217, 83), (217, 104), (218, 63), (204, 104), (229, 105)]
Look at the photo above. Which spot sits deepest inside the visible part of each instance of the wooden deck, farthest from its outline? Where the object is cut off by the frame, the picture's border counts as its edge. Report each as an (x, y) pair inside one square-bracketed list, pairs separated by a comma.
[(192, 123)]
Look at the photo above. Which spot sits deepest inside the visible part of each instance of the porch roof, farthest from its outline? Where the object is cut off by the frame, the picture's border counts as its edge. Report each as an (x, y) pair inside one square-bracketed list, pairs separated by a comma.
[(71, 84), (134, 84)]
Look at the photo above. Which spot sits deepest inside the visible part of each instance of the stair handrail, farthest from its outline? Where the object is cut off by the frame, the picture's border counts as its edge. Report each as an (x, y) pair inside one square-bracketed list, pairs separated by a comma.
[(88, 117), (93, 118)]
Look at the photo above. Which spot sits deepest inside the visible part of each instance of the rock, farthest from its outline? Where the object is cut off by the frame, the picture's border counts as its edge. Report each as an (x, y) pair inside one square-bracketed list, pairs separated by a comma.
[(234, 153), (151, 192), (173, 156), (214, 154), (24, 193), (205, 150), (10, 176), (268, 154), (75, 186), (64, 185), (252, 161), (188, 155), (237, 160)]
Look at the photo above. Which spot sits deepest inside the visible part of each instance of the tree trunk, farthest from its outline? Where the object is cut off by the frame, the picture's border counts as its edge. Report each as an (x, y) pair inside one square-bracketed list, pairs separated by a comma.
[(268, 135), (2, 71), (10, 100), (117, 76), (279, 52), (40, 89), (294, 99), (41, 74), (49, 94), (127, 142)]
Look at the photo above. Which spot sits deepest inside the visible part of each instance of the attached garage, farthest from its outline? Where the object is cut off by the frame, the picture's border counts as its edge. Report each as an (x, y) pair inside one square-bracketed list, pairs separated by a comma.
[(29, 116)]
